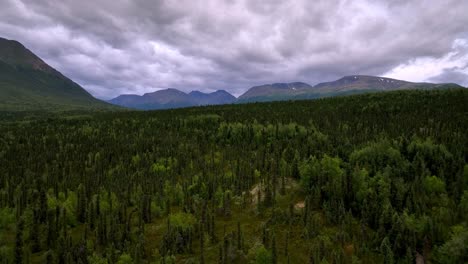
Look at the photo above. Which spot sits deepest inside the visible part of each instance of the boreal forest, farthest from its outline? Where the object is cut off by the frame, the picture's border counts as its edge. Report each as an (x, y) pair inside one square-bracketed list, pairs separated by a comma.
[(372, 178)]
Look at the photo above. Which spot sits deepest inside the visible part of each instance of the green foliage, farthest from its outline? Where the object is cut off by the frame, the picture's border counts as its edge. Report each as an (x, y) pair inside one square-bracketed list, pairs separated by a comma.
[(386, 251), (182, 221), (7, 218), (96, 259), (455, 250), (325, 173), (377, 156), (434, 185), (6, 255), (360, 183), (125, 259), (361, 179), (260, 255), (464, 203)]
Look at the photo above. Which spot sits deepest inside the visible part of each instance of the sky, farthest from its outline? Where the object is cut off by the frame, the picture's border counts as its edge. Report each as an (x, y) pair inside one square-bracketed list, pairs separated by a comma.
[(113, 47)]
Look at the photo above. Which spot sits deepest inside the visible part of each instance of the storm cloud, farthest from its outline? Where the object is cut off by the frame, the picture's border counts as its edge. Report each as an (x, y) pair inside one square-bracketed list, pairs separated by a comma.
[(112, 47)]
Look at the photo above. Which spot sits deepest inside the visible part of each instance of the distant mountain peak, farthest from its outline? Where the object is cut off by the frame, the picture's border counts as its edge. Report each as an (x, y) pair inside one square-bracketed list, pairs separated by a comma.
[(167, 90), (217, 91), (196, 92), (221, 92)]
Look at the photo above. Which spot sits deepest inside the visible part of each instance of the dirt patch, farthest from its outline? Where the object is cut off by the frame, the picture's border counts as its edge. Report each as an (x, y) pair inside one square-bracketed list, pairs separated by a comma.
[(349, 249), (289, 184), (419, 258), (254, 193), (300, 205)]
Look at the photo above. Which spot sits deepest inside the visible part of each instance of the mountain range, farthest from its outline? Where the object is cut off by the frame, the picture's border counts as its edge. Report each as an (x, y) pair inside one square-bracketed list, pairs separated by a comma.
[(173, 98), (355, 84), (28, 83)]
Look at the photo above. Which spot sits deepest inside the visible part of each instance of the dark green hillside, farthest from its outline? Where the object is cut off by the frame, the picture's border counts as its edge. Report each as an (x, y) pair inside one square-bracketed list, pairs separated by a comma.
[(27, 83), (373, 178)]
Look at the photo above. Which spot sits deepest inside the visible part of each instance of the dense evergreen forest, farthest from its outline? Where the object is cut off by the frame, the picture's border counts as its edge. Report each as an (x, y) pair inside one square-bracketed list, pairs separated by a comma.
[(374, 178)]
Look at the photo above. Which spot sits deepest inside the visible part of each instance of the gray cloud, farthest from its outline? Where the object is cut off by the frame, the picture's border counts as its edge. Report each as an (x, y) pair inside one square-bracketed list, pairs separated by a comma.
[(120, 46), (449, 76)]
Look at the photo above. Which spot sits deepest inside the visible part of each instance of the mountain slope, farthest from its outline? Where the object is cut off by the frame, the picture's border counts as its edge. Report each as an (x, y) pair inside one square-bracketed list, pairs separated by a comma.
[(172, 98), (215, 98), (28, 83), (347, 85), (276, 91)]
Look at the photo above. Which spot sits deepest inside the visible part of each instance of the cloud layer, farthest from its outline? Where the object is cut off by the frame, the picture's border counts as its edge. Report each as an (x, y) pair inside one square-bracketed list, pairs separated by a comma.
[(121, 46)]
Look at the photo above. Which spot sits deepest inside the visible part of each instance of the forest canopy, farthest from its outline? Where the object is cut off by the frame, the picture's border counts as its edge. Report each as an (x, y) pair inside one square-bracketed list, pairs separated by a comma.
[(374, 178)]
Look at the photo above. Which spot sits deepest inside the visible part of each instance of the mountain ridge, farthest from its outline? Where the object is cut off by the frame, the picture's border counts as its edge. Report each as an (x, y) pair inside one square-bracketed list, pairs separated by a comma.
[(172, 98), (350, 84), (347, 85), (28, 83)]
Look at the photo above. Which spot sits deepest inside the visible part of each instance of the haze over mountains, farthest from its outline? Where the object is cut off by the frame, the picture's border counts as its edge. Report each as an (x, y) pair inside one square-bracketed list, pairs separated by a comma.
[(28, 83)]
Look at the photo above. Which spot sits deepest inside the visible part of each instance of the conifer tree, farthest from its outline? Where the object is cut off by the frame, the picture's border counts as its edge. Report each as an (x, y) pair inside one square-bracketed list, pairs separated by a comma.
[(19, 242)]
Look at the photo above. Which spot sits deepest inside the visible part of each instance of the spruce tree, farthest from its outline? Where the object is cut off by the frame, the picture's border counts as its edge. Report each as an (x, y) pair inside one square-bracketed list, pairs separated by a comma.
[(19, 242)]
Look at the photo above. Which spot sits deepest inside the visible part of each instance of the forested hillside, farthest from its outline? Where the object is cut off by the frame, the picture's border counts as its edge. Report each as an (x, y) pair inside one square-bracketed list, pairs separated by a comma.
[(374, 178)]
